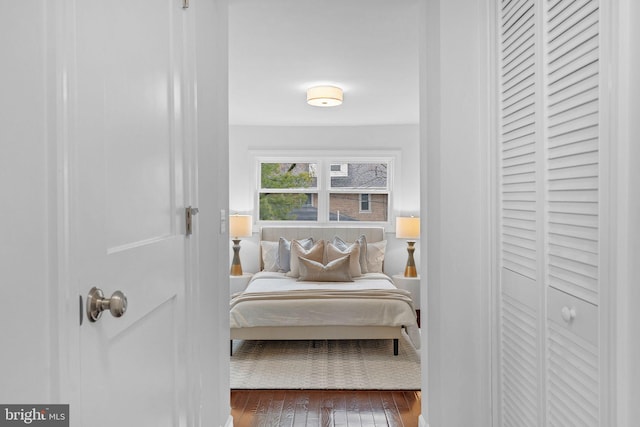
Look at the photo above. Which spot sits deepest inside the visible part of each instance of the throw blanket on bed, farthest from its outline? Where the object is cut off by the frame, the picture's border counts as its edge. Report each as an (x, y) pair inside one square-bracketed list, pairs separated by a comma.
[(399, 294), (279, 301)]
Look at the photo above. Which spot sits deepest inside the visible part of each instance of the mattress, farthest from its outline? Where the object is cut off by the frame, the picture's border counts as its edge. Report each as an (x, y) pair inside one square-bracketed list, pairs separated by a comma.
[(273, 299)]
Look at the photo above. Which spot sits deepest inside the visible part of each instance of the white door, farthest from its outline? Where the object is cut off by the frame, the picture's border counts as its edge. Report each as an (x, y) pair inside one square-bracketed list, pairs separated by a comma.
[(553, 216), (128, 197)]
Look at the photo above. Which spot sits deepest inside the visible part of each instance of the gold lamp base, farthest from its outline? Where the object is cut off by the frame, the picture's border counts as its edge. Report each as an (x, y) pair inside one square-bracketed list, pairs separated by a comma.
[(410, 269), (236, 267)]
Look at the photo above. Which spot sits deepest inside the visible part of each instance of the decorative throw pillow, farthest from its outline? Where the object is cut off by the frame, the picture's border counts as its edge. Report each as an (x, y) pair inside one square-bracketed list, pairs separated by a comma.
[(315, 253), (335, 271), (284, 252), (375, 256), (342, 245), (269, 255), (353, 250)]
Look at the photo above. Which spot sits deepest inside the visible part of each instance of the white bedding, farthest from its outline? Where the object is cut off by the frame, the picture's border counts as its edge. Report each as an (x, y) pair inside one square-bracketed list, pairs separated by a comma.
[(273, 299)]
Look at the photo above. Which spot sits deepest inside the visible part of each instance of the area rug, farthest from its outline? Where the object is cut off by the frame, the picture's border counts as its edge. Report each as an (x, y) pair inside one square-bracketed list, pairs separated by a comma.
[(331, 364)]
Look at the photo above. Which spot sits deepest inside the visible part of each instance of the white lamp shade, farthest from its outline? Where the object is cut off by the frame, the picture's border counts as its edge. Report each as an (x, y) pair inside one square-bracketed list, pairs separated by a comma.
[(407, 228), (240, 225), (324, 96)]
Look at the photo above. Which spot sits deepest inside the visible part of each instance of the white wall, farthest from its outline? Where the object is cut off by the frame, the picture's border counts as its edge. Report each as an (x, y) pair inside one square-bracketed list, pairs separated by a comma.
[(455, 192), (25, 256), (400, 140), (211, 388)]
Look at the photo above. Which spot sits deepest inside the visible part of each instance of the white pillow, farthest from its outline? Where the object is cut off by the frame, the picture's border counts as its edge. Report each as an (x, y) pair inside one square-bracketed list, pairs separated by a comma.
[(375, 256), (352, 251), (269, 255)]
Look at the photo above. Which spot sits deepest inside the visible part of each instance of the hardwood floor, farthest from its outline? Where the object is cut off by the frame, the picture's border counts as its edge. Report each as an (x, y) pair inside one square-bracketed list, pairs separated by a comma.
[(325, 408)]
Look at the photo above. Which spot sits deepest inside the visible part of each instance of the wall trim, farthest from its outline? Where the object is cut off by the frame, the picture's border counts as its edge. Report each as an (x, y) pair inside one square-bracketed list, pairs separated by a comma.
[(608, 212), (494, 220)]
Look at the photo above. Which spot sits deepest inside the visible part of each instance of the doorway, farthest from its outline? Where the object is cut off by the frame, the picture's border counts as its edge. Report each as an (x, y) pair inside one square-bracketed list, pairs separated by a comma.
[(277, 49)]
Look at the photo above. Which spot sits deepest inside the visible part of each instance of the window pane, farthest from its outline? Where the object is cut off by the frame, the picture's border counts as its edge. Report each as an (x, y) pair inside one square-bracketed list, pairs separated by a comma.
[(360, 175), (365, 206), (346, 207), (288, 175), (288, 207)]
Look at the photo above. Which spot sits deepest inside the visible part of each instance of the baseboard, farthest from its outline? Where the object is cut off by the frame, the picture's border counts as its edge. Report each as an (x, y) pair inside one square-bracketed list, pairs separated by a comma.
[(229, 422), (422, 422)]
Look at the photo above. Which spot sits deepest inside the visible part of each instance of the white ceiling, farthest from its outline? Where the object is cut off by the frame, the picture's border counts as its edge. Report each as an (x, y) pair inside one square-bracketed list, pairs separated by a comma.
[(279, 48)]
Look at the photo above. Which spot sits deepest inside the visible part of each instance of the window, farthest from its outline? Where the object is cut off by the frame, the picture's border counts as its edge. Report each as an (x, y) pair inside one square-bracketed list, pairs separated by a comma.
[(339, 169), (365, 205), (324, 190), (288, 192), (363, 184)]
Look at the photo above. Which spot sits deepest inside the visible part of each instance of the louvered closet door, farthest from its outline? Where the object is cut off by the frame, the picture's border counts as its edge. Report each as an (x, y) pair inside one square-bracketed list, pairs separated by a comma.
[(519, 291), (572, 229), (549, 187)]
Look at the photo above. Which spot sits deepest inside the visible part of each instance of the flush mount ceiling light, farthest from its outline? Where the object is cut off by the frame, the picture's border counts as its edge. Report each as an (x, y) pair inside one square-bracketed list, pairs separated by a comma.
[(324, 96)]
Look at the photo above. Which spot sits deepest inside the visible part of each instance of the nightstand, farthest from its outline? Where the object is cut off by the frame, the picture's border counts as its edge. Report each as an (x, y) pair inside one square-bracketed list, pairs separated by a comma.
[(239, 283), (411, 284)]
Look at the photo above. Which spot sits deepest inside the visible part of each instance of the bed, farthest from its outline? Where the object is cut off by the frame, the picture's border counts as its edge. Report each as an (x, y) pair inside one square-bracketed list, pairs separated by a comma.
[(296, 301)]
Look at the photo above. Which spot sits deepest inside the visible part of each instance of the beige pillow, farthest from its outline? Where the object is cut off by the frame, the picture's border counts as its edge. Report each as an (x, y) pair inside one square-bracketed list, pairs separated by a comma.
[(353, 250), (335, 271), (375, 256), (315, 253)]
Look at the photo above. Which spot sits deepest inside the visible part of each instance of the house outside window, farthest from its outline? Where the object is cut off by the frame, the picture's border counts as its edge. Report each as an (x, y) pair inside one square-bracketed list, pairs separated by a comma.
[(339, 169), (324, 190)]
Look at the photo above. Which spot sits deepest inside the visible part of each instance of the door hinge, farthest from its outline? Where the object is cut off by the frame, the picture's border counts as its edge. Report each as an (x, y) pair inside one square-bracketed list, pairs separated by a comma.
[(188, 217), (185, 4)]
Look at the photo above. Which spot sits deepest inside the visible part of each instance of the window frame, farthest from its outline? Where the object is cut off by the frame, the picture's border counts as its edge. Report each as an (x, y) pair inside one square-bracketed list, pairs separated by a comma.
[(323, 189), (292, 190)]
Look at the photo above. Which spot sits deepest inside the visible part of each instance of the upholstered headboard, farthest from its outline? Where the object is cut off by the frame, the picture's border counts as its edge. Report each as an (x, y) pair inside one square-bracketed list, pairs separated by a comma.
[(350, 234)]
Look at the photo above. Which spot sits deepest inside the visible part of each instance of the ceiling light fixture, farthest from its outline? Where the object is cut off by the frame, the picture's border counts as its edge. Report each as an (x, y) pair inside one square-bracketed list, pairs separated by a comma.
[(324, 96)]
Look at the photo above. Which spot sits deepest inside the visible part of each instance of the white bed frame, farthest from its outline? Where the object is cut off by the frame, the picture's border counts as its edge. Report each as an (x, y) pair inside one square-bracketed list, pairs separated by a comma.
[(348, 234)]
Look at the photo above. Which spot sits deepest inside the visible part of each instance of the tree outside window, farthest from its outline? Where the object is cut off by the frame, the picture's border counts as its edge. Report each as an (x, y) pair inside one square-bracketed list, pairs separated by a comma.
[(276, 204)]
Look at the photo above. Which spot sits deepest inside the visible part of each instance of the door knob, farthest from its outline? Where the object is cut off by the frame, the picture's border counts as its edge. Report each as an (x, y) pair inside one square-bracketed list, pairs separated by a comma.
[(97, 303), (568, 314)]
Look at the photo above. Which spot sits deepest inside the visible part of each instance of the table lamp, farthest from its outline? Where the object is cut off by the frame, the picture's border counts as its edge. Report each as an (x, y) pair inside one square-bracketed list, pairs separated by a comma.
[(239, 226), (409, 228)]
